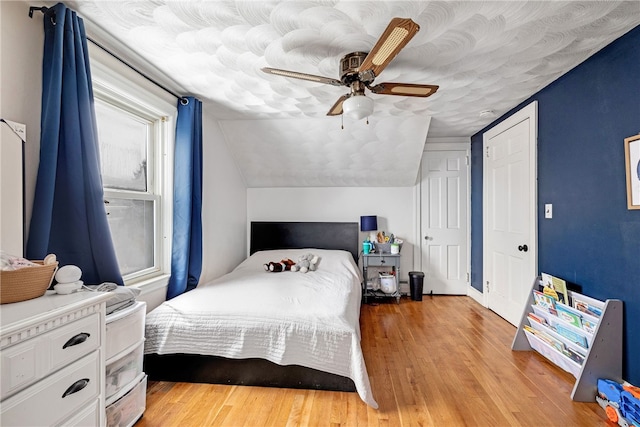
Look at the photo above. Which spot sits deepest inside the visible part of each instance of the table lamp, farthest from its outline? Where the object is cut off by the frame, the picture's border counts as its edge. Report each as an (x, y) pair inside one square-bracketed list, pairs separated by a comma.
[(369, 223)]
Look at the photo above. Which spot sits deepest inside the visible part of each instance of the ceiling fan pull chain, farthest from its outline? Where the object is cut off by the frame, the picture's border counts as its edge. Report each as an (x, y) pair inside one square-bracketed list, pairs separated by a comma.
[(342, 121)]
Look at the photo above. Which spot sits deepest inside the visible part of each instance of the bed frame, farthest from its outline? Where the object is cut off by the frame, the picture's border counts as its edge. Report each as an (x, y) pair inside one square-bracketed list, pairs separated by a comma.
[(260, 372), (301, 235)]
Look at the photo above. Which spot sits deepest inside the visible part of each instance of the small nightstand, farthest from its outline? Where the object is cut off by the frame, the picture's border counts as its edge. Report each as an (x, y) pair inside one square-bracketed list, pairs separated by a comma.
[(380, 260)]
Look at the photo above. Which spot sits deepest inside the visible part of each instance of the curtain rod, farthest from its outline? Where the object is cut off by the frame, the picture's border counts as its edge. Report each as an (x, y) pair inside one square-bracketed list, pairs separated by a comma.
[(183, 100)]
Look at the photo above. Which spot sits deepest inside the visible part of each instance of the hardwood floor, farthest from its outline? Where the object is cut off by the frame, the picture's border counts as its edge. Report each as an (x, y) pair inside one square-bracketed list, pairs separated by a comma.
[(444, 361)]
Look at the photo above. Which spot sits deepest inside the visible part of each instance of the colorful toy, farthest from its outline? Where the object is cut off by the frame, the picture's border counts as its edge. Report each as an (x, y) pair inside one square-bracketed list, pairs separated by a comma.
[(620, 402), (276, 267)]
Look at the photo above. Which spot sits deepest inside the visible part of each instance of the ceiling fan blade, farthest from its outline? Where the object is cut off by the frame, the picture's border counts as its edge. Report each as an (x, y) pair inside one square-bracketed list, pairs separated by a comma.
[(404, 89), (395, 37), (302, 76), (336, 110)]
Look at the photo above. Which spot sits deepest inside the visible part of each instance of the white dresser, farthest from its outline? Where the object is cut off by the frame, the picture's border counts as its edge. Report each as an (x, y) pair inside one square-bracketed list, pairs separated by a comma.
[(52, 360)]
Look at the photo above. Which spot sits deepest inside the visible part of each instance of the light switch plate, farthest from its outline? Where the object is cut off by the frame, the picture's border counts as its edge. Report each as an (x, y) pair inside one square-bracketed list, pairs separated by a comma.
[(548, 211)]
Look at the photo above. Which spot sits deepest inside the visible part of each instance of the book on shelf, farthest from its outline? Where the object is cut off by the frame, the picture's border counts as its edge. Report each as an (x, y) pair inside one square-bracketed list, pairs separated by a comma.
[(571, 335), (567, 315), (573, 355), (555, 287), (537, 318), (547, 302), (589, 325), (558, 345), (585, 307)]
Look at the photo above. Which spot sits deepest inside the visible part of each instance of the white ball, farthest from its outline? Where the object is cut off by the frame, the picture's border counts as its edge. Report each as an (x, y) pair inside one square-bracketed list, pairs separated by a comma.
[(68, 274)]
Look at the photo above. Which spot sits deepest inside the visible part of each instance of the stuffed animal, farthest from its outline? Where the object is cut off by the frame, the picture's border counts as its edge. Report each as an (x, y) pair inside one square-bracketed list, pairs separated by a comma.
[(276, 267), (307, 262)]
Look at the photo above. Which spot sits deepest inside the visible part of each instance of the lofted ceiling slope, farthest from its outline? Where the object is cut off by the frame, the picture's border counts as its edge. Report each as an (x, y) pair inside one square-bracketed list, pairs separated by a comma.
[(484, 55)]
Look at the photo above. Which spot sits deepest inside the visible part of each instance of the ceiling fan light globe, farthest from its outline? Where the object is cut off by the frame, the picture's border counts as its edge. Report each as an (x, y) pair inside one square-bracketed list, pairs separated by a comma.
[(357, 107)]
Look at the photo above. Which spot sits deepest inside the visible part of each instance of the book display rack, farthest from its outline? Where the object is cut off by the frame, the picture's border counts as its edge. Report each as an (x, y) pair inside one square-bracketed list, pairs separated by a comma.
[(579, 334)]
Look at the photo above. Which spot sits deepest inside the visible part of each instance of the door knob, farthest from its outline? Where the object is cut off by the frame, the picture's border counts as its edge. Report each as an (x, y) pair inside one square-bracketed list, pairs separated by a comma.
[(523, 248)]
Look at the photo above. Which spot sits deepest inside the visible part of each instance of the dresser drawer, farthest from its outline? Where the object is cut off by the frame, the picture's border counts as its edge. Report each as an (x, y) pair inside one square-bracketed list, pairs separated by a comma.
[(27, 362), (87, 417), (21, 365), (376, 261), (57, 397), (72, 341)]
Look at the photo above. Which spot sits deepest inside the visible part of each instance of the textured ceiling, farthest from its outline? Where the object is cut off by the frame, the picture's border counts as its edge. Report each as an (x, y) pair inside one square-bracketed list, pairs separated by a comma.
[(483, 55)]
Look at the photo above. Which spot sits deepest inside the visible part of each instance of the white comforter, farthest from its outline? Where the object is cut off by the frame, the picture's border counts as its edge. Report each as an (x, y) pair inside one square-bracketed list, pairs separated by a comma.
[(308, 319)]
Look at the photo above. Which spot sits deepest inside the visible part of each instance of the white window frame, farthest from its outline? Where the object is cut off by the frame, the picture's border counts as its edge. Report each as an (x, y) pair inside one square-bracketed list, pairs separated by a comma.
[(115, 84)]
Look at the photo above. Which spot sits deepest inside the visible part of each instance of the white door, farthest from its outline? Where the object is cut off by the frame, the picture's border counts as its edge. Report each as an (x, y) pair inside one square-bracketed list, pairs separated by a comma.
[(444, 243), (510, 218)]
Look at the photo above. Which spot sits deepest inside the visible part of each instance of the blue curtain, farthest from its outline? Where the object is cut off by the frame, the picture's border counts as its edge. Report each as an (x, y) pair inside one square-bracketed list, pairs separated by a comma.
[(69, 217), (186, 252)]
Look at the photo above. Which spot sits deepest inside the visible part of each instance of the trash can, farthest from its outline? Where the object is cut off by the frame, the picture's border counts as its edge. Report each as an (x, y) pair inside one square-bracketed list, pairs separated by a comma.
[(416, 284)]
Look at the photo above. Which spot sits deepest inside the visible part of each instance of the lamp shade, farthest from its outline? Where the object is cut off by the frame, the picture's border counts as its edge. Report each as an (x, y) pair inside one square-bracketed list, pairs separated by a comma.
[(358, 107), (368, 223)]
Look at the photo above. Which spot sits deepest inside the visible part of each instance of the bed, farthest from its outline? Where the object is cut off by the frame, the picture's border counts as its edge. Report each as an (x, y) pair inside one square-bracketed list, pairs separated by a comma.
[(286, 329)]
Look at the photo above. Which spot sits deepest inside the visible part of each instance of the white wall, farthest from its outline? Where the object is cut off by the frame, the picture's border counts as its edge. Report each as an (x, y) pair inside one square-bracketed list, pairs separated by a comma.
[(224, 205), (21, 41), (394, 206)]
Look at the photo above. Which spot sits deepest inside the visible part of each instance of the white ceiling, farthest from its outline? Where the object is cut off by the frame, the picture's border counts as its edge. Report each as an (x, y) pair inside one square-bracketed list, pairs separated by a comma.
[(483, 55)]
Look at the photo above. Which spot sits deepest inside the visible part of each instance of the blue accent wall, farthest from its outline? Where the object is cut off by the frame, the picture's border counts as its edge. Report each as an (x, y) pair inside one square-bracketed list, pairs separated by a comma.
[(593, 240)]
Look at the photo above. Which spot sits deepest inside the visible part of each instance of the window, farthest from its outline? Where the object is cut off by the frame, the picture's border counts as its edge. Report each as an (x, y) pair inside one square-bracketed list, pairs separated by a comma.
[(134, 138), (126, 145)]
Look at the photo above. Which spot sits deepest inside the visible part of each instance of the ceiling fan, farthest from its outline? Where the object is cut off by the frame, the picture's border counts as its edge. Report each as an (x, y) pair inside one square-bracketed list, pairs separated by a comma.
[(359, 69)]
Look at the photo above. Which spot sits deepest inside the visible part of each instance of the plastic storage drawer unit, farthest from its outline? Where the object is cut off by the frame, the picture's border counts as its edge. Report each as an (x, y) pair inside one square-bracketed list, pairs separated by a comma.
[(125, 328), (125, 411), (123, 370)]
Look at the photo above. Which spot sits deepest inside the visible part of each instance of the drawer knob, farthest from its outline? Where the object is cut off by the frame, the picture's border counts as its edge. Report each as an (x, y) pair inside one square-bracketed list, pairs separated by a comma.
[(76, 387), (78, 339)]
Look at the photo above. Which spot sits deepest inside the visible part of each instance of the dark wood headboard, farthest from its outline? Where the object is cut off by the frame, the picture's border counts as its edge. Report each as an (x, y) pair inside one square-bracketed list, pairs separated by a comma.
[(300, 235)]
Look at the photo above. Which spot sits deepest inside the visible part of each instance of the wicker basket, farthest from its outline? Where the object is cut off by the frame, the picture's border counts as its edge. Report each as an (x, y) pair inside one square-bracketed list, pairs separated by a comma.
[(26, 283)]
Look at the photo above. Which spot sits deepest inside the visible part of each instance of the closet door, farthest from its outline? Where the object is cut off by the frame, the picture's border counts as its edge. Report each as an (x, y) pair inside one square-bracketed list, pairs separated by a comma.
[(444, 222)]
